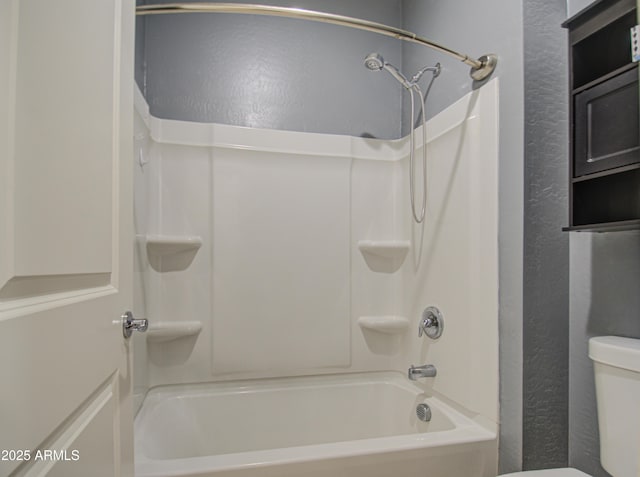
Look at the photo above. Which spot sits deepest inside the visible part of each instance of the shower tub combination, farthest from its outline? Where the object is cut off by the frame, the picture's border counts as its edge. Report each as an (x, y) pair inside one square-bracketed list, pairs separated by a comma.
[(343, 425), (338, 425)]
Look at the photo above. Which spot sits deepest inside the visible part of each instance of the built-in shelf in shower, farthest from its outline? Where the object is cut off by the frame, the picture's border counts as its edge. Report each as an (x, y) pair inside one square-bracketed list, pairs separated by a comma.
[(161, 245), (172, 330), (388, 324), (385, 256)]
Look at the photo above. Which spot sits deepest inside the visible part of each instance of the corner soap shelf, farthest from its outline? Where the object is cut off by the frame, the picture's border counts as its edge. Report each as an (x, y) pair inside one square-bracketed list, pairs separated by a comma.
[(387, 324), (161, 245), (172, 330), (385, 256)]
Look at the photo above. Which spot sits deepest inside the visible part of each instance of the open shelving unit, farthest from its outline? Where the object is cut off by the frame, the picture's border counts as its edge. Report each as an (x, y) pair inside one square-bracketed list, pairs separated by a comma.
[(604, 180)]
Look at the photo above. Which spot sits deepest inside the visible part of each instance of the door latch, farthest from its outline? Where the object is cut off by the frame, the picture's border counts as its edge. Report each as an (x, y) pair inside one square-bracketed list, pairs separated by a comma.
[(131, 324)]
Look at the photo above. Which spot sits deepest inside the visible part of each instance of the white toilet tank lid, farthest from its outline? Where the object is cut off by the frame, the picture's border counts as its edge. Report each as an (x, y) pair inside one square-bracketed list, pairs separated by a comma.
[(616, 351)]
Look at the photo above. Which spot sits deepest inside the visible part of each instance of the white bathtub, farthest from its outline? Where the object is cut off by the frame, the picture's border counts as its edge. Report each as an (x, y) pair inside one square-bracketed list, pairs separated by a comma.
[(336, 426)]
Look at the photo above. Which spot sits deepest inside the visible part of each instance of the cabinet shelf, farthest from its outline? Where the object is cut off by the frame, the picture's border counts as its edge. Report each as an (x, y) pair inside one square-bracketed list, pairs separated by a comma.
[(604, 78), (606, 199), (605, 227), (608, 172), (600, 41)]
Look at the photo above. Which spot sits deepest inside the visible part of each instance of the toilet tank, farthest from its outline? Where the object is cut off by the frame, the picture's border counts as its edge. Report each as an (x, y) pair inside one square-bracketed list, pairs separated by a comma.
[(616, 363)]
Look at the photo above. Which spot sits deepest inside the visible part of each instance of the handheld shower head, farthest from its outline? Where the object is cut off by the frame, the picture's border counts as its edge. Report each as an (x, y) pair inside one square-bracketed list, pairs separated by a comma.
[(375, 62)]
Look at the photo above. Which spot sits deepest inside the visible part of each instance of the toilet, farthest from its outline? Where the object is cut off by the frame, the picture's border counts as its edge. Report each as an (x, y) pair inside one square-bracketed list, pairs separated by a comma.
[(616, 365)]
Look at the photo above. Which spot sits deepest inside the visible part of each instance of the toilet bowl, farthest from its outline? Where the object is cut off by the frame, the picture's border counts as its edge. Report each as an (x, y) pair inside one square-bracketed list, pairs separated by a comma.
[(616, 366)]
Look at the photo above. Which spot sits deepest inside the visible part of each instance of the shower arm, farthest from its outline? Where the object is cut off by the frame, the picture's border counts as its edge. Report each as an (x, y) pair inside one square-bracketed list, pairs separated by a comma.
[(480, 68)]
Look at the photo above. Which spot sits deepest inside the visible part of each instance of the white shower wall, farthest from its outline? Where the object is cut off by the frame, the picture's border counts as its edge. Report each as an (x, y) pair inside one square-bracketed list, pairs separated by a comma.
[(281, 286), (279, 282)]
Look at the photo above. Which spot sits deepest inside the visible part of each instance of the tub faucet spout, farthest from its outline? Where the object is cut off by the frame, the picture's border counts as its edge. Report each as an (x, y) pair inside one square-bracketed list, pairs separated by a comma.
[(424, 371)]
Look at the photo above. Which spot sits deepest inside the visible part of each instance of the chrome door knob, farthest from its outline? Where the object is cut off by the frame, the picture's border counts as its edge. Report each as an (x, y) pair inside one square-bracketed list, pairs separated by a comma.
[(131, 324)]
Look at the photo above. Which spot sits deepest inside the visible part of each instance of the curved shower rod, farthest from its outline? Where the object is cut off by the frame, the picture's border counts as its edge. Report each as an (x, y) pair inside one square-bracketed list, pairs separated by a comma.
[(480, 68)]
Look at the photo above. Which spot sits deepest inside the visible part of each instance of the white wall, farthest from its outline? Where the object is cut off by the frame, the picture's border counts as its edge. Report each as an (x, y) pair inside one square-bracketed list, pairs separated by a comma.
[(280, 283), (453, 263)]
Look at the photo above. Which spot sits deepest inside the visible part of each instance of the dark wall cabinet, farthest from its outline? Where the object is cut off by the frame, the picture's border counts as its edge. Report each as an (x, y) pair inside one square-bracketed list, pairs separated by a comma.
[(605, 128)]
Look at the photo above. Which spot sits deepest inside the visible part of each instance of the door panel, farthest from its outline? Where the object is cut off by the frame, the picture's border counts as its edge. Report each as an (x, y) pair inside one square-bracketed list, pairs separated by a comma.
[(81, 162), (83, 438), (66, 69)]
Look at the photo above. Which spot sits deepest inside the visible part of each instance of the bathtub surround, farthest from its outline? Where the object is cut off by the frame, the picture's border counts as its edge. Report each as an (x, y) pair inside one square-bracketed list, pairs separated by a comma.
[(286, 300), (461, 22), (372, 208), (542, 363)]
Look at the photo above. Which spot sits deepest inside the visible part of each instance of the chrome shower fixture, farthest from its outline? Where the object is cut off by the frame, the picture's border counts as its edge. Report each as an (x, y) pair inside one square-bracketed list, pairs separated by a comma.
[(434, 69), (375, 62)]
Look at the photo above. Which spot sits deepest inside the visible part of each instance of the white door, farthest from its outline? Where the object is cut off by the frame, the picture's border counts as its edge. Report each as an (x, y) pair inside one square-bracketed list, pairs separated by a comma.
[(66, 69)]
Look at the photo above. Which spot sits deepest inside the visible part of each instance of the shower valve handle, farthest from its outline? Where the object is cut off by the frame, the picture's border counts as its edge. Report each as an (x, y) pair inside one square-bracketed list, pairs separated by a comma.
[(431, 323)]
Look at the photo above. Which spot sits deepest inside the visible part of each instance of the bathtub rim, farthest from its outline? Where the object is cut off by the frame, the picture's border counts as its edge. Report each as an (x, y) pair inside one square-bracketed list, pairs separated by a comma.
[(312, 453)]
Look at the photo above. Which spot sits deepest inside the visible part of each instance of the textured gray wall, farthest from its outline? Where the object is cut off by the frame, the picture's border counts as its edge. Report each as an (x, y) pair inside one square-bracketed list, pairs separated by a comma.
[(275, 73), (574, 6), (546, 247), (605, 300), (477, 28)]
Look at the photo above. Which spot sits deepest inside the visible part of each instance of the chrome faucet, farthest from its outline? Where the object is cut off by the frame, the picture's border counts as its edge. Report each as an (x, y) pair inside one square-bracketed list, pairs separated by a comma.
[(424, 371)]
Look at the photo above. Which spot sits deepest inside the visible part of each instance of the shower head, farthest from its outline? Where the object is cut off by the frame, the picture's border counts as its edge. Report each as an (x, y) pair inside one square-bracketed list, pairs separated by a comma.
[(375, 62)]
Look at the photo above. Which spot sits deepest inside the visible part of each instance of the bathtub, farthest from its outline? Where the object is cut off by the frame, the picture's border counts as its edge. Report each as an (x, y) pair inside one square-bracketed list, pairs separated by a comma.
[(338, 426)]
